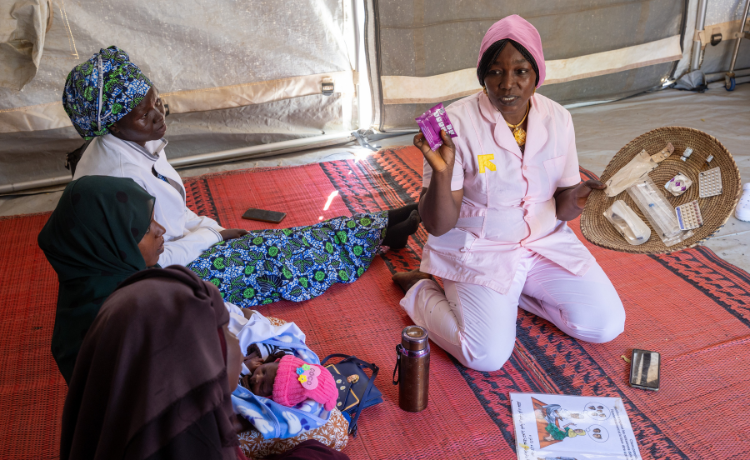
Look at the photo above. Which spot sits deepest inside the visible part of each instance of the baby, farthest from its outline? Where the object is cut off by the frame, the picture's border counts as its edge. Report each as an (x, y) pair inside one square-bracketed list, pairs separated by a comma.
[(288, 380)]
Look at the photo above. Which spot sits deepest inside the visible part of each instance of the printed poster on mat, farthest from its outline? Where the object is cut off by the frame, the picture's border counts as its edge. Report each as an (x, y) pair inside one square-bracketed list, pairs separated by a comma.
[(559, 427)]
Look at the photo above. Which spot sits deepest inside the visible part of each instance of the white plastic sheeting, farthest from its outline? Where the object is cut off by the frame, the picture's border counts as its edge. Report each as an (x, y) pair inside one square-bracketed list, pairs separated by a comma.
[(268, 57), (23, 26), (245, 73)]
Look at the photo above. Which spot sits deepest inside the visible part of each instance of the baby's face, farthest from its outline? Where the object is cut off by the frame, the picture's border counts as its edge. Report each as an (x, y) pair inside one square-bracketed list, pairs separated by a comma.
[(261, 382), (253, 361)]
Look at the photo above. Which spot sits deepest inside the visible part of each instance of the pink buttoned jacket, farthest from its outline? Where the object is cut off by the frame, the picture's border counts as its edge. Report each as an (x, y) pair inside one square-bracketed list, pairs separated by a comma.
[(508, 206)]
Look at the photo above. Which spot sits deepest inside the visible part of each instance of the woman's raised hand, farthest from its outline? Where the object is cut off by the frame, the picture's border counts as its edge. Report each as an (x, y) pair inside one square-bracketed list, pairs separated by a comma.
[(442, 159)]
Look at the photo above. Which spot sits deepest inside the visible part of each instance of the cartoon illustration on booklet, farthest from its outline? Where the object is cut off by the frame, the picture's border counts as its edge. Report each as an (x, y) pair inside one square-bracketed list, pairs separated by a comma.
[(572, 427)]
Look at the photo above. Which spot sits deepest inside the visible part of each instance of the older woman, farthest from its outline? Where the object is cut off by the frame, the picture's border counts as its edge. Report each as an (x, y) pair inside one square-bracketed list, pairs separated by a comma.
[(495, 206), (116, 108)]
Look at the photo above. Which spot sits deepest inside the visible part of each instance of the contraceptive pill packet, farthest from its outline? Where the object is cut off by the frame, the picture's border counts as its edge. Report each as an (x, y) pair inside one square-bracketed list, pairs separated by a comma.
[(431, 122)]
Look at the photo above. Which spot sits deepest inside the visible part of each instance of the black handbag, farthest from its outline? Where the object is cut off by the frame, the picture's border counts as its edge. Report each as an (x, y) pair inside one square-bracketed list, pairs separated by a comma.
[(356, 390)]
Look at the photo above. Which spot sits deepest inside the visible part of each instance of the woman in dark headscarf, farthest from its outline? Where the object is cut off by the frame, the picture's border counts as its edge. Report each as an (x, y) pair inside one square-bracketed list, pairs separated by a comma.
[(154, 375), (101, 232)]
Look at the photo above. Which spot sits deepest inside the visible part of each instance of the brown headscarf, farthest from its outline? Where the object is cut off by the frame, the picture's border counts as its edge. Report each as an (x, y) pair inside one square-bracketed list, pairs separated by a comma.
[(151, 375)]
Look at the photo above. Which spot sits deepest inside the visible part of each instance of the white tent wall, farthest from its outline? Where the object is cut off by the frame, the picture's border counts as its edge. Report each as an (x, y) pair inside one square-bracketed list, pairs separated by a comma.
[(426, 51), (721, 16), (248, 74), (234, 73)]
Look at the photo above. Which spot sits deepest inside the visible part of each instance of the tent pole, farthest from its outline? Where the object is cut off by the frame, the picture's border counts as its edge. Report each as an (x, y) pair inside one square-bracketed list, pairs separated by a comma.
[(700, 24), (224, 155)]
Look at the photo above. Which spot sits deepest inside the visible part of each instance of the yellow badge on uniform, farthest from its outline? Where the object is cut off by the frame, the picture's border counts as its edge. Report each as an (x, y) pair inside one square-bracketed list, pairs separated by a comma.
[(485, 162)]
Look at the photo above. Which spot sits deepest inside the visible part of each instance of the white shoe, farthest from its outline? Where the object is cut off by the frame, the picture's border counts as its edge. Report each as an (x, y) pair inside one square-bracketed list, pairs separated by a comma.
[(742, 212)]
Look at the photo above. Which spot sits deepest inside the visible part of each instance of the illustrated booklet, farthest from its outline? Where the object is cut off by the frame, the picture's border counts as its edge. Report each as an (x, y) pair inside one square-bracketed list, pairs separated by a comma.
[(560, 427)]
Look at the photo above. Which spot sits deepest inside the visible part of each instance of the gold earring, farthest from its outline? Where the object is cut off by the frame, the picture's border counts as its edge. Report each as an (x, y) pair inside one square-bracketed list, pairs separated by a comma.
[(484, 88)]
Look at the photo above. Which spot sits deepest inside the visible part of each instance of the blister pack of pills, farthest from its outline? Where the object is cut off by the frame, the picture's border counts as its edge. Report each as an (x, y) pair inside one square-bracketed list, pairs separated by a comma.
[(710, 183), (689, 215), (431, 122)]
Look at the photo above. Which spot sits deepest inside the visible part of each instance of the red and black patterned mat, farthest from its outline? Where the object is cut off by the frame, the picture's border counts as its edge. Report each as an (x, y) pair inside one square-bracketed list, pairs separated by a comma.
[(692, 307)]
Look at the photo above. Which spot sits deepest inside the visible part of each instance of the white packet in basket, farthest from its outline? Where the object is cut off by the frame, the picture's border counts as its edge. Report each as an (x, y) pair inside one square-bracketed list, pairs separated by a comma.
[(627, 222), (654, 205), (639, 166)]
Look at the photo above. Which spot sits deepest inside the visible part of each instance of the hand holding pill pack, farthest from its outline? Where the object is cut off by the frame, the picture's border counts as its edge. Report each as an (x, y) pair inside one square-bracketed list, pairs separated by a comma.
[(431, 122)]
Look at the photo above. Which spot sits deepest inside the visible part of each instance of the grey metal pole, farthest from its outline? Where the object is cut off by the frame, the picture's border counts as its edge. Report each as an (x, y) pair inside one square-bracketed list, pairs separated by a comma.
[(739, 39), (700, 23)]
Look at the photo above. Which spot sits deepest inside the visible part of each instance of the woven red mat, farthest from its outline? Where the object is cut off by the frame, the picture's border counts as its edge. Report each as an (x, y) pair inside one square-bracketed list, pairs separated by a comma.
[(692, 307)]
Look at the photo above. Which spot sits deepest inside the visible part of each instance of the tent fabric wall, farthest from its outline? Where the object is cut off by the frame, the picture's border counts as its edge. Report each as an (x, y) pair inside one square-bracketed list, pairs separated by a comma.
[(217, 48), (420, 39), (23, 26), (724, 15)]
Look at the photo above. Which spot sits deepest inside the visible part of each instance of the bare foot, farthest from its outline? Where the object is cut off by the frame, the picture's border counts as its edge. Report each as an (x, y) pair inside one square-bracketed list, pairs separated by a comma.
[(408, 279)]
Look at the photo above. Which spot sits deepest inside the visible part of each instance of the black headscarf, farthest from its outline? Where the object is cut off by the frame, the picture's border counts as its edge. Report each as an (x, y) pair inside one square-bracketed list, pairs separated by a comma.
[(151, 378), (91, 240), (489, 56)]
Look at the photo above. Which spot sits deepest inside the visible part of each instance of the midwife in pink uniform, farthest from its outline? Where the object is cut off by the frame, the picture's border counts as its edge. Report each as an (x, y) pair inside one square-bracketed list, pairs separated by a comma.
[(495, 202)]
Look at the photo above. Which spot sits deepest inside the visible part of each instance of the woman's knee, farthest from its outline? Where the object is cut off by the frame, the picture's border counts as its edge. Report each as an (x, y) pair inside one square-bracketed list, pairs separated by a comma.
[(611, 330), (606, 326), (492, 356)]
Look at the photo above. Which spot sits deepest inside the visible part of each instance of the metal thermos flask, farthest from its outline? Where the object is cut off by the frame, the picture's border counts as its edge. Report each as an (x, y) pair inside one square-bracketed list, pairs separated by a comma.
[(413, 368)]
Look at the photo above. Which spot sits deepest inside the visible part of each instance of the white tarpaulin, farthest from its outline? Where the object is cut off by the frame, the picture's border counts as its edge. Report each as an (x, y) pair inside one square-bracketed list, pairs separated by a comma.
[(249, 74), (234, 73)]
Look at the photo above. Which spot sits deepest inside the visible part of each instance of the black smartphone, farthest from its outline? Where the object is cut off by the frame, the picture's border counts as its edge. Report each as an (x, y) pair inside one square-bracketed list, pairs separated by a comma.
[(263, 215), (645, 370)]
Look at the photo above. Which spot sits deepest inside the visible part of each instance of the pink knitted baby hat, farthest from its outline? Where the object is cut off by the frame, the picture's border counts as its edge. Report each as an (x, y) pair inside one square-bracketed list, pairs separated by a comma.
[(297, 380)]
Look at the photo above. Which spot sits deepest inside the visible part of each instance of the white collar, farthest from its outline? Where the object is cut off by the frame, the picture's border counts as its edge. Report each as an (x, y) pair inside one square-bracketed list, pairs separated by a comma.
[(144, 151)]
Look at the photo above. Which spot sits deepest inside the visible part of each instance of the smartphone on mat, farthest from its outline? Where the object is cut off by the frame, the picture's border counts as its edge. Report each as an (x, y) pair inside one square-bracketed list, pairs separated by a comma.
[(645, 370), (263, 215)]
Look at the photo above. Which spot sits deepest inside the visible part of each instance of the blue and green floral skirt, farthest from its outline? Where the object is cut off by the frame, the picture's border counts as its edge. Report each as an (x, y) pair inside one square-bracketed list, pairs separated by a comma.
[(296, 264)]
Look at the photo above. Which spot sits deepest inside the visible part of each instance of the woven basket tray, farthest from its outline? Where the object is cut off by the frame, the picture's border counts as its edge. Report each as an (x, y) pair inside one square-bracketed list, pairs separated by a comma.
[(715, 210)]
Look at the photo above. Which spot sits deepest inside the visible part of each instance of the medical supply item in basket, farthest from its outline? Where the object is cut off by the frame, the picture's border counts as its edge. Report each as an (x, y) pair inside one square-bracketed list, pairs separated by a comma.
[(431, 122), (689, 215), (678, 184), (654, 205), (686, 154), (627, 223), (639, 166), (710, 183)]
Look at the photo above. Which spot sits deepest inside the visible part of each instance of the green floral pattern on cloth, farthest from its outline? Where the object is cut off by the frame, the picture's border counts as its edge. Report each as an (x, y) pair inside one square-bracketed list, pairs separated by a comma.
[(123, 86), (295, 264)]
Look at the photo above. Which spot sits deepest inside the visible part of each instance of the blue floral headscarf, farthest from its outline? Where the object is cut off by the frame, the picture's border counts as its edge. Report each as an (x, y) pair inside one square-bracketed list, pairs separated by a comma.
[(102, 90)]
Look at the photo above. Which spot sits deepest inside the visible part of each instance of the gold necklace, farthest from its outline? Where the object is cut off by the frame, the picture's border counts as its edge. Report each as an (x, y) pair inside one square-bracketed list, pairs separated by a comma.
[(519, 133)]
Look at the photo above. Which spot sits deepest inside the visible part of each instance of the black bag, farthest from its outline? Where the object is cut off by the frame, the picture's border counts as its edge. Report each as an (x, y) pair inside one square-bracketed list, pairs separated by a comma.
[(356, 390)]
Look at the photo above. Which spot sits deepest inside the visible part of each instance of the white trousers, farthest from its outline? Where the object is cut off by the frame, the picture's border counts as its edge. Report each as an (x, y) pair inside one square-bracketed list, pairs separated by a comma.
[(477, 325)]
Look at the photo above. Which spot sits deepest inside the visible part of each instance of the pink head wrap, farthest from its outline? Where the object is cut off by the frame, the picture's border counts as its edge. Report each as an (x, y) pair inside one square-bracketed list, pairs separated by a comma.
[(520, 30)]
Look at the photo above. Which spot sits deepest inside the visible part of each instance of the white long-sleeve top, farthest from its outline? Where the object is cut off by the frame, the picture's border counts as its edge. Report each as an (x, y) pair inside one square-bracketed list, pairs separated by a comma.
[(187, 234)]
